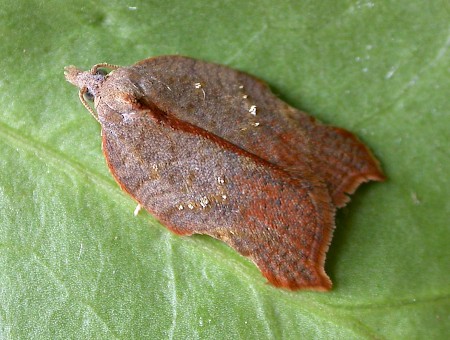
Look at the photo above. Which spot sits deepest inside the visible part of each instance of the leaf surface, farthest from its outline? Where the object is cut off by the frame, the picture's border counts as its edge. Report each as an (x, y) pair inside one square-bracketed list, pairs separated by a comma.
[(74, 262)]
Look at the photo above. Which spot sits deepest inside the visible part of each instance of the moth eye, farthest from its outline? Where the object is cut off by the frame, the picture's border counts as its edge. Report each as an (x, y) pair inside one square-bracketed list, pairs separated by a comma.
[(88, 96), (101, 72)]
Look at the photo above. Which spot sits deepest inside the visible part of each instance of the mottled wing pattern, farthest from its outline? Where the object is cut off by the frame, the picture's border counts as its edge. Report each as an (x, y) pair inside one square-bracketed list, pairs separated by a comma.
[(196, 182), (243, 110)]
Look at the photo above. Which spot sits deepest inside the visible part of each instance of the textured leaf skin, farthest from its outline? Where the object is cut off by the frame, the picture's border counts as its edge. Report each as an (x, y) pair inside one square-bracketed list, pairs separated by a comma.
[(379, 69)]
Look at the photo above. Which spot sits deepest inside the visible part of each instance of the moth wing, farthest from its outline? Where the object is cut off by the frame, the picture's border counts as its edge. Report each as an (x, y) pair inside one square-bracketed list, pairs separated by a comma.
[(344, 162), (273, 130), (196, 182), (287, 227)]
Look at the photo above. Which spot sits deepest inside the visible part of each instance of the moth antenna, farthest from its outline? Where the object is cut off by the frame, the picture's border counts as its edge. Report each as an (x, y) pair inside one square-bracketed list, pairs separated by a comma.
[(97, 66), (85, 104)]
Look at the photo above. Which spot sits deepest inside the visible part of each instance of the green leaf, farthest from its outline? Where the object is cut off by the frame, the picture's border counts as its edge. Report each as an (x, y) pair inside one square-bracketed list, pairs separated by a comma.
[(76, 263)]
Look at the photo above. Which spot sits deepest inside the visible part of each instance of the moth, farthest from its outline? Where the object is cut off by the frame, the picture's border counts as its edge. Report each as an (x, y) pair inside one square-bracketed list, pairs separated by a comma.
[(211, 150)]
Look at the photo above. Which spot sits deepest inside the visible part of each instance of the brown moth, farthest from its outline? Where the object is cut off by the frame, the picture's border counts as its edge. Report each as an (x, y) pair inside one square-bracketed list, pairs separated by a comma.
[(211, 150)]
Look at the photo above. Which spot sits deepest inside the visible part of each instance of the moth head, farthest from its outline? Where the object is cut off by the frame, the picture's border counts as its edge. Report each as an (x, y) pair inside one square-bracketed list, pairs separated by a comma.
[(89, 82)]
